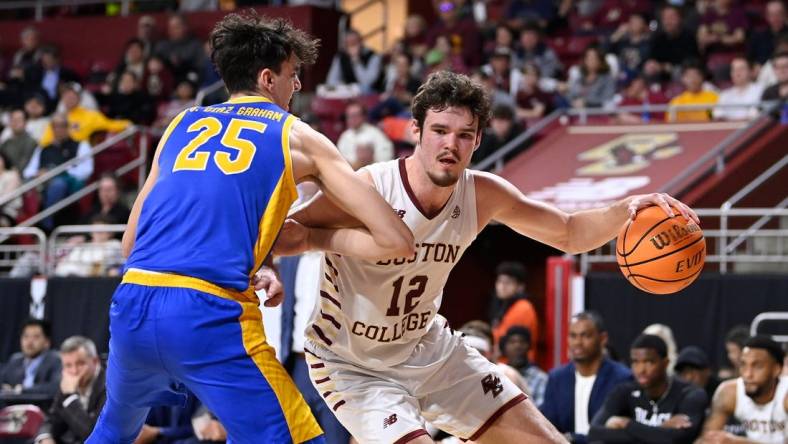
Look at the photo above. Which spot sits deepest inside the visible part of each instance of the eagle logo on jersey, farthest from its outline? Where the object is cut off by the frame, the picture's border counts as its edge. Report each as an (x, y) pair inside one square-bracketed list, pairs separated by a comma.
[(492, 383), (455, 213), (389, 420)]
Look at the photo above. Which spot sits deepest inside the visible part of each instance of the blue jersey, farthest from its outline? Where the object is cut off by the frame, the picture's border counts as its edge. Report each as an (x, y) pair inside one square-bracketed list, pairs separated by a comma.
[(224, 188)]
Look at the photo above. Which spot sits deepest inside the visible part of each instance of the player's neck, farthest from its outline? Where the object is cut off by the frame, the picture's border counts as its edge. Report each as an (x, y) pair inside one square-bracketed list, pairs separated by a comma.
[(430, 196), (767, 396), (251, 94)]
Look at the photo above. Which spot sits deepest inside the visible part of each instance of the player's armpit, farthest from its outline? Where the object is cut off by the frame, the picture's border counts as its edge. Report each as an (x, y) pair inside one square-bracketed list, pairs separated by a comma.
[(722, 406)]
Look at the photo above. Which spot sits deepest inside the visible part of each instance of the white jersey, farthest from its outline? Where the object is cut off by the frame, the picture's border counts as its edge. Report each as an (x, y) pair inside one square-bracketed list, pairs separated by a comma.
[(374, 314), (764, 423)]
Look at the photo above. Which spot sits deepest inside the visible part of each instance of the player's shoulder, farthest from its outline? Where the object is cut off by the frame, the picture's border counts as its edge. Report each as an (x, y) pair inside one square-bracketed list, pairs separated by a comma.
[(488, 184), (725, 395)]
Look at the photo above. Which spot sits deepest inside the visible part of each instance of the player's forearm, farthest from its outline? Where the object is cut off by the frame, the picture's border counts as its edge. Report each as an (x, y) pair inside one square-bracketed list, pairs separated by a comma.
[(591, 229), (356, 242)]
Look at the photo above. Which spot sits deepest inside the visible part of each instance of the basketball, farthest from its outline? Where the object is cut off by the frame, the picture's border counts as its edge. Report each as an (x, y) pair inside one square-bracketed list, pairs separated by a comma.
[(660, 254)]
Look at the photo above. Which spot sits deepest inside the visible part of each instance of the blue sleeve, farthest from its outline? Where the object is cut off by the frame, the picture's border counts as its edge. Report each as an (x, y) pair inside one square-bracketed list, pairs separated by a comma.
[(549, 407)]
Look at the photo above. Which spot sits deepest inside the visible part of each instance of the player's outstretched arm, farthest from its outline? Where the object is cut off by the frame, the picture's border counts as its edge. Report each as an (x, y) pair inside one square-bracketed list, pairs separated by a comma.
[(499, 200), (316, 157)]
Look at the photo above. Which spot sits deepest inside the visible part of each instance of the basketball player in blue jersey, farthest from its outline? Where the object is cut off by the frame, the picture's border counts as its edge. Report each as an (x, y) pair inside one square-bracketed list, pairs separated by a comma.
[(223, 178)]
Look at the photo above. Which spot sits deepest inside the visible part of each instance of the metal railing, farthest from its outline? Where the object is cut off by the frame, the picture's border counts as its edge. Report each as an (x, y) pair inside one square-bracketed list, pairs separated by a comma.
[(766, 317), (11, 253), (207, 91), (104, 255)]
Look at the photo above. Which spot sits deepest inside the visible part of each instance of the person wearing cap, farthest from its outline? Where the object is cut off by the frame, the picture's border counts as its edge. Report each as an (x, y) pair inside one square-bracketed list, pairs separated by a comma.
[(758, 399), (692, 365), (82, 122), (656, 408)]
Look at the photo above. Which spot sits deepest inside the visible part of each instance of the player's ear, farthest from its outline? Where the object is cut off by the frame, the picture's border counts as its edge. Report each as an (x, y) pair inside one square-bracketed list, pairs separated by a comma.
[(415, 130), (265, 80), (478, 142)]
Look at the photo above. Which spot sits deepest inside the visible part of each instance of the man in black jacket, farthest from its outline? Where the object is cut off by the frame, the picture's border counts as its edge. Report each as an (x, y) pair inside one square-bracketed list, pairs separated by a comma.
[(654, 409), (36, 369), (81, 396)]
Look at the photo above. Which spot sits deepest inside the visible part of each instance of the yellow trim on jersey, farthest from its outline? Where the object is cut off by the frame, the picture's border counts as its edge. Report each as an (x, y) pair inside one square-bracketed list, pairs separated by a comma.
[(283, 196), (249, 99), (154, 279), (300, 422), (170, 128)]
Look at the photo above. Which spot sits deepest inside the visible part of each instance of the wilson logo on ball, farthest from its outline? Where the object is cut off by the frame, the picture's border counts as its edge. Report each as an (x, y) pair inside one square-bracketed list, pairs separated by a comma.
[(675, 234)]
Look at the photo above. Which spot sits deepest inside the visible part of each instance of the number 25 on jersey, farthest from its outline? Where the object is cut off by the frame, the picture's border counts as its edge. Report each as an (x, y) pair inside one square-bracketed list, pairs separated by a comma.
[(189, 159)]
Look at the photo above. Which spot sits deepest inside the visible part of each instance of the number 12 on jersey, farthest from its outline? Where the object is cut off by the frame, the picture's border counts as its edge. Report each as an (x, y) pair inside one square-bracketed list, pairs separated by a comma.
[(418, 284), (189, 159)]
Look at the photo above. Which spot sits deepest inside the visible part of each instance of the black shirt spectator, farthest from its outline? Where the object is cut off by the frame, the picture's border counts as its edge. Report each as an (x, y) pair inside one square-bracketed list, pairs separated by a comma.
[(29, 52), (127, 101), (673, 44), (503, 128), (182, 52), (780, 89), (762, 42), (48, 74), (355, 63), (108, 201), (463, 34)]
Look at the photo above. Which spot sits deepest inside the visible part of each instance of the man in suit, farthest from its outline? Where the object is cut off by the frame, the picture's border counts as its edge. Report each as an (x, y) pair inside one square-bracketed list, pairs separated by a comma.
[(36, 369), (81, 396), (578, 389)]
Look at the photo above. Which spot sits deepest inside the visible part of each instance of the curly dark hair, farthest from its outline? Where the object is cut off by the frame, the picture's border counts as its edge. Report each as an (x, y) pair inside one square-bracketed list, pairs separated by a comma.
[(244, 44), (444, 89)]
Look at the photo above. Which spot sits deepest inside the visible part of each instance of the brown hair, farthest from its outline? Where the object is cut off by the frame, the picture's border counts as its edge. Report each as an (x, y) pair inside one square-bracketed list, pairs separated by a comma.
[(444, 89)]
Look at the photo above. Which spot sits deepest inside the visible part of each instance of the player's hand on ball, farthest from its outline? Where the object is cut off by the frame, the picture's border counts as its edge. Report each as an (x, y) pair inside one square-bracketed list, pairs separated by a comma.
[(664, 201), (293, 239), (268, 280)]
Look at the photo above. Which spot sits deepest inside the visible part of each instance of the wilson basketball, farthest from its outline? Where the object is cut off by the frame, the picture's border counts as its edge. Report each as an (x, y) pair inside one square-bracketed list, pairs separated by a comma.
[(660, 254)]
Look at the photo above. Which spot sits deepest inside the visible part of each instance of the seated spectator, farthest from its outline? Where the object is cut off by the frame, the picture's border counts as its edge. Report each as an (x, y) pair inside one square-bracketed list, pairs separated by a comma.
[(631, 43), (37, 120), (511, 306), (13, 89), (613, 15), (576, 391), (694, 94), (758, 399), (505, 78), (481, 340), (722, 28), (158, 81), (743, 92), (170, 424), (531, 49), (779, 90), (133, 61), (48, 74), (29, 52), (360, 136), (762, 43), (503, 38), (666, 334), (10, 180), (81, 396), (637, 93), (355, 64), (442, 57), (127, 101), (515, 346), (146, 34), (36, 369), (183, 98), (520, 12), (399, 88), (102, 256), (503, 128), (734, 343), (655, 408), (672, 44), (415, 36), (82, 122), (461, 33), (497, 97), (532, 101), (692, 365), (107, 202), (20, 145), (62, 149), (593, 84), (182, 51)]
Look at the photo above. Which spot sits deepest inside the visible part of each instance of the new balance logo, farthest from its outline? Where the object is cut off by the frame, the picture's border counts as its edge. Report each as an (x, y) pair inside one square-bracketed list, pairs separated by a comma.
[(390, 420), (492, 383)]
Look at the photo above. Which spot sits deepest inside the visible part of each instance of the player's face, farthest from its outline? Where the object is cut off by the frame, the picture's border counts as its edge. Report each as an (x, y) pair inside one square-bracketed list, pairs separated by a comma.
[(446, 144), (585, 341), (286, 82), (648, 367), (759, 371)]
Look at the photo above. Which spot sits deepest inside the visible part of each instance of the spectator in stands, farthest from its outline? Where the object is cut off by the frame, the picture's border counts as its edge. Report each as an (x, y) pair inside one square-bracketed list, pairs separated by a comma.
[(81, 396), (146, 34), (520, 12), (504, 38), (443, 58), (504, 77), (462, 33), (758, 399), (10, 180), (692, 365), (82, 122), (779, 90), (637, 93), (415, 38), (481, 340), (666, 334), (183, 98), (734, 343), (29, 52), (170, 424), (101, 256), (399, 88), (511, 306), (13, 88), (182, 51), (503, 128), (531, 49), (766, 75), (655, 408), (576, 391), (591, 84), (62, 149), (515, 346), (355, 64), (532, 101), (359, 135), (108, 201), (613, 15), (743, 92), (762, 43), (36, 369), (631, 43), (672, 44), (37, 120), (158, 81), (48, 74), (722, 28), (20, 145), (692, 77), (133, 61), (128, 102)]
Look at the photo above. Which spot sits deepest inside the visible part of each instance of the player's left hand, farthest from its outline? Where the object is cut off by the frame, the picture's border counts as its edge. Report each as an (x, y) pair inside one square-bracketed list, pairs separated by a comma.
[(267, 279), (664, 201)]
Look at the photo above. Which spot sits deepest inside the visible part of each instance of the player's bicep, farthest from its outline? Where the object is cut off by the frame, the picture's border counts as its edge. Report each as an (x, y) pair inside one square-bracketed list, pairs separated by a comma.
[(722, 406)]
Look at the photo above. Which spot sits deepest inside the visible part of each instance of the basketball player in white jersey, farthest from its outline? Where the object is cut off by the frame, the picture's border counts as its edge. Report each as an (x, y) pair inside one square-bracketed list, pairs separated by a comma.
[(380, 355), (758, 399)]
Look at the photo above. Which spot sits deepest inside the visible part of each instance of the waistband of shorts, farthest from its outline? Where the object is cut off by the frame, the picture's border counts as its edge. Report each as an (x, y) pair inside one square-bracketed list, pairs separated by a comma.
[(155, 279)]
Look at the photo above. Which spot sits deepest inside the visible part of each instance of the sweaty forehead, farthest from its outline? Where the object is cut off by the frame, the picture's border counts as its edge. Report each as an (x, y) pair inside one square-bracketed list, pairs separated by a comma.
[(453, 117)]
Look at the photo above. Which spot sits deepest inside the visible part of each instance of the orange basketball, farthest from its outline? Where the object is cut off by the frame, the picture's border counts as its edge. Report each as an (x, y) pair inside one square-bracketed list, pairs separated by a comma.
[(660, 254)]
